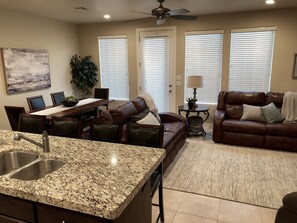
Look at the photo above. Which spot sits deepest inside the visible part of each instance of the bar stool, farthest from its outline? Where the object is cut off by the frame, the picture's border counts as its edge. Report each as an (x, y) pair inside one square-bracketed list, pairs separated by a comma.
[(66, 127), (105, 131), (32, 123), (152, 136)]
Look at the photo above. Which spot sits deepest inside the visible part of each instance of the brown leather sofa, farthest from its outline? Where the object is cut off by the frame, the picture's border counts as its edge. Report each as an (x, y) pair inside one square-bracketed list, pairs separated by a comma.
[(175, 126), (229, 129)]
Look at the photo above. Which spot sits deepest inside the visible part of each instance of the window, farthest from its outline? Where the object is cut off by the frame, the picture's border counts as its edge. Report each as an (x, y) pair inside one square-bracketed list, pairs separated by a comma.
[(203, 57), (113, 59), (251, 59)]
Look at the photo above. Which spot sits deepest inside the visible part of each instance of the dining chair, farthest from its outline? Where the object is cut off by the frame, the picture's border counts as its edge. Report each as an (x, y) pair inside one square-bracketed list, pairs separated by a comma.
[(13, 115), (105, 131), (57, 97), (102, 93), (32, 123), (66, 127), (152, 136), (36, 102)]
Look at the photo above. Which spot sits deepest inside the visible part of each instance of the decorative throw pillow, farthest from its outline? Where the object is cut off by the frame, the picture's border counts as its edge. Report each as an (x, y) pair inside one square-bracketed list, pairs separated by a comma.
[(252, 113), (150, 119), (272, 114)]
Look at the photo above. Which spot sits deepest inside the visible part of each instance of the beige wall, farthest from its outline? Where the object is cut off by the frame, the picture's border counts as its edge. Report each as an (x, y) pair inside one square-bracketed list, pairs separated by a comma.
[(63, 40), (24, 31), (285, 42)]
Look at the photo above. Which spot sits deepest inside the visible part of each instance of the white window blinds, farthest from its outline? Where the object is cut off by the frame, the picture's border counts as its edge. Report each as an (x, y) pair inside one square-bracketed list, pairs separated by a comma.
[(250, 60), (113, 59), (203, 57), (155, 70)]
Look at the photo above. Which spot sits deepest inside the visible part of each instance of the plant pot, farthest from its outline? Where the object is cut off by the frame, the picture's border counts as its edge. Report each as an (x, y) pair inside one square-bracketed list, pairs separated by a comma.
[(191, 105)]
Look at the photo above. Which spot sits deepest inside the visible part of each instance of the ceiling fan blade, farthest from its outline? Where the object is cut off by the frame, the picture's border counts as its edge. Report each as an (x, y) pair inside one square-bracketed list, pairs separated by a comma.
[(184, 17), (142, 12), (178, 12)]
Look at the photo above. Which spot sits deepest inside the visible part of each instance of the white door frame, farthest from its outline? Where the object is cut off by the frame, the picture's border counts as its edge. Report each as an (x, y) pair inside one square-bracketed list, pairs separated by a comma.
[(171, 30)]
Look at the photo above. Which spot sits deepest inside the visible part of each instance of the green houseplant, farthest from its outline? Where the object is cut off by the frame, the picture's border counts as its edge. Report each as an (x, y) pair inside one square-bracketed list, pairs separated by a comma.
[(84, 74)]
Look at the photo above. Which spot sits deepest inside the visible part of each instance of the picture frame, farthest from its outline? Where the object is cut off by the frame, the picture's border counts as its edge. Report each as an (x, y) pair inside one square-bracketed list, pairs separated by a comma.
[(25, 69), (294, 75)]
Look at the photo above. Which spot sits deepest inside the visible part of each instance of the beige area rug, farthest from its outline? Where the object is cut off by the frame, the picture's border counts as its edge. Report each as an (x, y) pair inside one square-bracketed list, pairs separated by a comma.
[(249, 175)]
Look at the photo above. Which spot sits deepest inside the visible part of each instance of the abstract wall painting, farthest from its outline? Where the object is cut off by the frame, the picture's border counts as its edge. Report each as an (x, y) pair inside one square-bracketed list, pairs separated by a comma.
[(26, 69)]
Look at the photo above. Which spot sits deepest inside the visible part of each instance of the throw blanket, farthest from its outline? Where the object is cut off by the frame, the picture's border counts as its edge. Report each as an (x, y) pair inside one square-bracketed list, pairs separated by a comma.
[(289, 108), (149, 101)]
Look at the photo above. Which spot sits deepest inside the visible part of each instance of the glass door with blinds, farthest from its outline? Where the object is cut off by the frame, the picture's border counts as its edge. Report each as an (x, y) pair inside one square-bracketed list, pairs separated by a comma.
[(155, 68)]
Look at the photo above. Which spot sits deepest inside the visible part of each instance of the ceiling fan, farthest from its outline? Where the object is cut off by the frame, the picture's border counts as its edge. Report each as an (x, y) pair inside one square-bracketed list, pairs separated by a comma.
[(161, 13)]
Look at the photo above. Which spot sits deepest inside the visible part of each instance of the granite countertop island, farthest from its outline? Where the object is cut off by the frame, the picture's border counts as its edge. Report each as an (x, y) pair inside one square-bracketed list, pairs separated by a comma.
[(99, 179)]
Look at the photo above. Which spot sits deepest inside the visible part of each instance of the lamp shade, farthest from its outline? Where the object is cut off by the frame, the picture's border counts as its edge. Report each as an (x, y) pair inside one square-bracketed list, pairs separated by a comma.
[(194, 82)]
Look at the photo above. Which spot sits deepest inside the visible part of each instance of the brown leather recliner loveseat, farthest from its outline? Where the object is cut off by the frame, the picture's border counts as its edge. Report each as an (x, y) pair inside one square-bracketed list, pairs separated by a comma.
[(175, 126), (229, 129)]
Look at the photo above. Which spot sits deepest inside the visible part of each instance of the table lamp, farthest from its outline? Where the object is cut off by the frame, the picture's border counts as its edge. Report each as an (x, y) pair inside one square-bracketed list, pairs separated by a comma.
[(194, 82)]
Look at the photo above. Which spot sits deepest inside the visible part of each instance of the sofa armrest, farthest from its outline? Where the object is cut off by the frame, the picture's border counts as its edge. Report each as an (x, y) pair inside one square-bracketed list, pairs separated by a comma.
[(171, 117), (219, 117)]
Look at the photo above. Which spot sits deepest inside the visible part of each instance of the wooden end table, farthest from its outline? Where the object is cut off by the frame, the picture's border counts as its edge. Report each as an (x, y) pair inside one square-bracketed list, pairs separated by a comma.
[(195, 123)]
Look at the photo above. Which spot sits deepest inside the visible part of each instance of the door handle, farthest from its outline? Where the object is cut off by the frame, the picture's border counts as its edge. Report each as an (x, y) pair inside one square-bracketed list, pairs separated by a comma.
[(170, 85), (170, 91)]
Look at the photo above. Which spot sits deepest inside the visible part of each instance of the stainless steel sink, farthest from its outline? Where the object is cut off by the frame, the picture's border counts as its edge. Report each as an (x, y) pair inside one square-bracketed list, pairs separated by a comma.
[(38, 169), (11, 161)]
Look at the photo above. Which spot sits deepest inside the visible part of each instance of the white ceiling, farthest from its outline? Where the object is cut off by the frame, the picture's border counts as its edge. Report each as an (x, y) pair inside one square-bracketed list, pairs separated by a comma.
[(121, 10)]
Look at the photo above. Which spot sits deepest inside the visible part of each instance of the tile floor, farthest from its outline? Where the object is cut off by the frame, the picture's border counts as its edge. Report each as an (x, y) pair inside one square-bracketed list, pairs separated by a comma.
[(182, 207)]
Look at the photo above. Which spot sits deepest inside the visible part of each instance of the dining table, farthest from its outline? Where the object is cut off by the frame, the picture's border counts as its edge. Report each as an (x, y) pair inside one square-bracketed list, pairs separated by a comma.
[(84, 106)]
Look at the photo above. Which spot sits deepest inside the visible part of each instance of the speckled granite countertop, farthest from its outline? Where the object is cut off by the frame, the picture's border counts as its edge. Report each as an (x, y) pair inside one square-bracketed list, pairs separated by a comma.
[(99, 178)]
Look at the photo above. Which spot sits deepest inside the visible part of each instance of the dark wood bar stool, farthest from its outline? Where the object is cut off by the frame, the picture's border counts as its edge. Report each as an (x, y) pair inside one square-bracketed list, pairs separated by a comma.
[(32, 123), (66, 127), (105, 131), (152, 136)]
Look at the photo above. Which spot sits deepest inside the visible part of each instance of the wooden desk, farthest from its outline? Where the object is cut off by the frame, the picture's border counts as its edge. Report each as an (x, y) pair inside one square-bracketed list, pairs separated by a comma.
[(61, 111)]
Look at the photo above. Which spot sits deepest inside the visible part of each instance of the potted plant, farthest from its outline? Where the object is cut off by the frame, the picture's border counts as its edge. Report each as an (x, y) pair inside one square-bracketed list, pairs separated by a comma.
[(84, 74), (191, 102)]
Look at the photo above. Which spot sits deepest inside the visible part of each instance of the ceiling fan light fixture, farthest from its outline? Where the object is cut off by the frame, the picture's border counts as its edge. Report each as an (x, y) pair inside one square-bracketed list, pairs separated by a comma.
[(161, 21)]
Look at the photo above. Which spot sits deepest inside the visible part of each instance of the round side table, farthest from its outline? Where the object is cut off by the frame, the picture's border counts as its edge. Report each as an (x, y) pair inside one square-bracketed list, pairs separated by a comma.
[(195, 123)]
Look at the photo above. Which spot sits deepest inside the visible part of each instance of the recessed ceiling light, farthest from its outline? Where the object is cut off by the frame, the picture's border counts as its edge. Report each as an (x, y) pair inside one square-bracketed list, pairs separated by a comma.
[(106, 16), (270, 2)]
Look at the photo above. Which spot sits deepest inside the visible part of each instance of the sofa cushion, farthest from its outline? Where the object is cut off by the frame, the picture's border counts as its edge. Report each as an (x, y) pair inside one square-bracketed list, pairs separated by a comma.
[(252, 113), (122, 113), (250, 98), (272, 113), (149, 119), (231, 125), (175, 127), (235, 99), (281, 129), (276, 98)]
